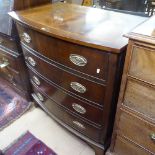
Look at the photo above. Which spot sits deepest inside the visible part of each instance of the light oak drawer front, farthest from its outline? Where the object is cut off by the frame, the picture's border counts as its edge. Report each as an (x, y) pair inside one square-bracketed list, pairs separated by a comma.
[(138, 130), (79, 107), (68, 118), (143, 64), (124, 147), (140, 97), (80, 58), (66, 80)]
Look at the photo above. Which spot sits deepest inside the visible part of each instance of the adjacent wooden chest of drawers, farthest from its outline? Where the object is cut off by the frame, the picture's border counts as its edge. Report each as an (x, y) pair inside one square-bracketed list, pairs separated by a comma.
[(12, 64), (135, 123), (75, 64)]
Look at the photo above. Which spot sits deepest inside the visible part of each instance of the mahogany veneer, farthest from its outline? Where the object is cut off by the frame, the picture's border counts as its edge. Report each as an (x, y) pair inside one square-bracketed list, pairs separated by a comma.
[(75, 57)]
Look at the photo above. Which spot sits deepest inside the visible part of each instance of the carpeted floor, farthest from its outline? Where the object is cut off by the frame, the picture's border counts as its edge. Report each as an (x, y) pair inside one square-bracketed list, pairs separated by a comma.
[(12, 106), (28, 144), (35, 120), (47, 130)]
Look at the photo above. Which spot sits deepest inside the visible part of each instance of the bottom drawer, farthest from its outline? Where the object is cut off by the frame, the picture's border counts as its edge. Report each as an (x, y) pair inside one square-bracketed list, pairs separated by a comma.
[(124, 147), (137, 130), (68, 118)]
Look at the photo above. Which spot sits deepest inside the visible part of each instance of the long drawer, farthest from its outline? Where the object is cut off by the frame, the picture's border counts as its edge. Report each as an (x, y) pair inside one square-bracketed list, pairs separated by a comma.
[(79, 107), (143, 63), (68, 118), (138, 130), (79, 86), (8, 43), (80, 58), (140, 97), (124, 147)]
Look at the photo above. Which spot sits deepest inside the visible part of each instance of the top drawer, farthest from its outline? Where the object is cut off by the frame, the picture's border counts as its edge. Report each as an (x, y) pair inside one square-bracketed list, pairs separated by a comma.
[(8, 43), (143, 63), (80, 58)]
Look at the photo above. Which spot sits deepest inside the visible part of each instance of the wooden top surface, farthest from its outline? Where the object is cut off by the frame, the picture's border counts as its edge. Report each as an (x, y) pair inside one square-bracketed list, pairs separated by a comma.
[(91, 27), (144, 32)]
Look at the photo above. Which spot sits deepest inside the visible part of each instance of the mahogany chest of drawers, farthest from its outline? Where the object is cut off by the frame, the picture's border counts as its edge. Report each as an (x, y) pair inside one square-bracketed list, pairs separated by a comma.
[(134, 132), (75, 63)]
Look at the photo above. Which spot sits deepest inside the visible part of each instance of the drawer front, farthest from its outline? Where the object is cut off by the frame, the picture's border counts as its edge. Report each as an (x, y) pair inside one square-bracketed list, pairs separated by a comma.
[(124, 147), (8, 43), (140, 97), (8, 61), (11, 76), (69, 119), (143, 64), (75, 105), (83, 59), (66, 80), (138, 130)]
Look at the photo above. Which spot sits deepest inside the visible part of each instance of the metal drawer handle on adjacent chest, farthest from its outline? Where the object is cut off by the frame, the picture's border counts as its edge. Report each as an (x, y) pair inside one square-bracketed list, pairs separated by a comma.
[(152, 136), (31, 61), (36, 80), (78, 87), (1, 40), (79, 125), (4, 63), (40, 97), (26, 37), (78, 60), (79, 108)]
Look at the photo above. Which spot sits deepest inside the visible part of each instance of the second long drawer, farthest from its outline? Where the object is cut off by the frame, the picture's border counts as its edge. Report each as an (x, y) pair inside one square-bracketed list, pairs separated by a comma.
[(82, 87)]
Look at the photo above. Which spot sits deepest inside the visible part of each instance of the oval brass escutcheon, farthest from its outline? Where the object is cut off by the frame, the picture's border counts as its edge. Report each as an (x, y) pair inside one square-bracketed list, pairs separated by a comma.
[(40, 97), (78, 87), (31, 61), (26, 37), (79, 125), (78, 60), (36, 80), (79, 108)]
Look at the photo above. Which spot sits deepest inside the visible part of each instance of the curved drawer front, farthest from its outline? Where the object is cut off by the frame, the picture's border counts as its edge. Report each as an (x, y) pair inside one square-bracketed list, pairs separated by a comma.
[(8, 43), (74, 84), (69, 119), (138, 130), (86, 60), (77, 106)]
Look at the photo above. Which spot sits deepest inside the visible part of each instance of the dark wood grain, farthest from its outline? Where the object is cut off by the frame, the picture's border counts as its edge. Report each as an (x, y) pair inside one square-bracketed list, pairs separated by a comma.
[(64, 79), (93, 113), (50, 32), (60, 52), (69, 118), (9, 43)]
